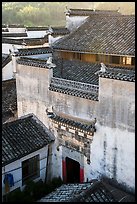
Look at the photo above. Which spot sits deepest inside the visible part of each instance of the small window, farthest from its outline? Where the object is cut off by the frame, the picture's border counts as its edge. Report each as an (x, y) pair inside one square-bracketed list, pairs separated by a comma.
[(30, 169), (127, 60)]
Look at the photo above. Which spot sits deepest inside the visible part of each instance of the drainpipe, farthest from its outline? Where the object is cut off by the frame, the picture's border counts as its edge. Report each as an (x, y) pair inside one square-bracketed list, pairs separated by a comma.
[(47, 165)]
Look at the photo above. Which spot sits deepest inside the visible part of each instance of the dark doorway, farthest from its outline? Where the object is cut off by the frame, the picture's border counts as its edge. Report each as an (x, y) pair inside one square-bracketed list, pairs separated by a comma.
[(72, 171)]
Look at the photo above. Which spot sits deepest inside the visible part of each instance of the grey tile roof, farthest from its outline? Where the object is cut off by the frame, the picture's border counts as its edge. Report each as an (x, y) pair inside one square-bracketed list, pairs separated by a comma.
[(102, 34), (36, 28), (22, 137), (85, 72), (118, 74), (9, 99), (7, 34), (33, 51), (16, 26), (27, 41), (6, 58), (59, 31), (95, 191), (80, 125), (76, 78), (90, 12), (32, 62), (66, 192), (76, 71)]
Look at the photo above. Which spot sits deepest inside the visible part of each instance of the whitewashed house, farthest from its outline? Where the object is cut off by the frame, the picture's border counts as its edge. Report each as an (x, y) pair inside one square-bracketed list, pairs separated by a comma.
[(25, 149)]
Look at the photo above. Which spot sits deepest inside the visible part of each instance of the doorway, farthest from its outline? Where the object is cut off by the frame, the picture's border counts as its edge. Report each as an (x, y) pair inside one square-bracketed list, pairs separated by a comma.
[(72, 171)]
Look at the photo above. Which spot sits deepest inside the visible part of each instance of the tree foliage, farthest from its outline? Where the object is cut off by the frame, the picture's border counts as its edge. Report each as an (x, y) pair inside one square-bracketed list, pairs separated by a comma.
[(52, 13)]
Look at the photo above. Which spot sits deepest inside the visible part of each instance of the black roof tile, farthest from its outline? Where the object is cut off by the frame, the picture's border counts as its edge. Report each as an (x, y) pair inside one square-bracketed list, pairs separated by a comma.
[(102, 34), (90, 12), (22, 137), (80, 125), (85, 72), (59, 31), (26, 41), (7, 34), (33, 51), (32, 62), (95, 191), (38, 28)]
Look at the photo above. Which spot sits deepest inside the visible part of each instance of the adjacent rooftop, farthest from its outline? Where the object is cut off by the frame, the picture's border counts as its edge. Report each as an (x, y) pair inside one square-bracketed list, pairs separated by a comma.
[(94, 191), (90, 12), (103, 35), (22, 137)]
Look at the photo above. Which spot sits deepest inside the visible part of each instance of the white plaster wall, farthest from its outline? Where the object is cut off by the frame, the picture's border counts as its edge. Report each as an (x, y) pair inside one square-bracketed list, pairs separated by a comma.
[(52, 39), (33, 97), (112, 149), (6, 47), (7, 72), (17, 174), (73, 22), (17, 30), (36, 34), (113, 155)]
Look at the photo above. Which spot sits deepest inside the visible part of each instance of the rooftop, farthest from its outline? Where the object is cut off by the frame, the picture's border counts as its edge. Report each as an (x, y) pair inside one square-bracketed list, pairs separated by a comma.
[(86, 125), (33, 51), (94, 191), (25, 40), (59, 31), (90, 12), (9, 34), (38, 28), (85, 72), (22, 137), (6, 58), (103, 35)]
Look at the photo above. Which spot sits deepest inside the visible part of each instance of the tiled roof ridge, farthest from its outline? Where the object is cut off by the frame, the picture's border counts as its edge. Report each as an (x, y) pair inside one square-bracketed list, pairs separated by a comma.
[(9, 34), (15, 26), (90, 190), (40, 40), (83, 9), (32, 62), (118, 76), (32, 51), (75, 88), (13, 80), (91, 10), (36, 28), (26, 117), (6, 60), (74, 92), (83, 126)]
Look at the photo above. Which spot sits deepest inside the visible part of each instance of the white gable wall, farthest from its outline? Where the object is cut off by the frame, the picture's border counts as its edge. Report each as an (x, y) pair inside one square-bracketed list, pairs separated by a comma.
[(7, 71), (73, 22)]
